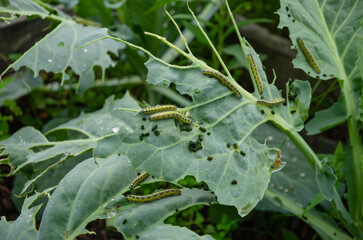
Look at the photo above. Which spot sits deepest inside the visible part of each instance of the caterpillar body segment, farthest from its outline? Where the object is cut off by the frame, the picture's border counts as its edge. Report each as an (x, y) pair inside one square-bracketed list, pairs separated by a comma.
[(138, 179), (158, 108), (170, 114), (153, 196), (224, 80), (308, 55), (256, 73), (270, 103)]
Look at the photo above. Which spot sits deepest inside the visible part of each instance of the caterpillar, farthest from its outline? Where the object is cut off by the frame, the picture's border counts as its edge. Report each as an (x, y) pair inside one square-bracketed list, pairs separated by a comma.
[(170, 114), (277, 162), (271, 102), (256, 73), (153, 196), (224, 80), (138, 179), (309, 57), (158, 108)]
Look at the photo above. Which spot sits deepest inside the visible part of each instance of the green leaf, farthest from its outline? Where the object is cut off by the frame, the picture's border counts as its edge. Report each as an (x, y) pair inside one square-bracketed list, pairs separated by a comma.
[(326, 179), (330, 29), (92, 191), (109, 120), (56, 52), (82, 194), (166, 232), (96, 10), (296, 181), (232, 122), (169, 157), (32, 153), (22, 147), (302, 103), (24, 226), (328, 118), (24, 8), (136, 218), (43, 179)]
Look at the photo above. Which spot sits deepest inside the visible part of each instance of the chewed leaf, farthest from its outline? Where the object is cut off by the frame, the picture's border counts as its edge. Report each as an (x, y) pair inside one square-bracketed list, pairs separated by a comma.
[(95, 191), (131, 221), (221, 152), (296, 181), (23, 7), (329, 29), (16, 8), (24, 226), (57, 51)]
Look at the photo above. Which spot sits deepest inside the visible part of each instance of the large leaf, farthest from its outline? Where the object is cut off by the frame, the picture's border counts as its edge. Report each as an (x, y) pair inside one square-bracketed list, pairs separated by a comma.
[(139, 218), (330, 29), (31, 152), (326, 179), (328, 118), (227, 119), (296, 181), (56, 52), (92, 191), (23, 148), (108, 120), (24, 7), (18, 85), (24, 226)]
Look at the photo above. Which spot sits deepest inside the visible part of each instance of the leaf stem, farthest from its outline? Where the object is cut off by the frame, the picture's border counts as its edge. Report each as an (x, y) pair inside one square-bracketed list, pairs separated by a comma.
[(163, 39), (297, 140), (356, 143), (180, 32), (209, 41), (310, 217)]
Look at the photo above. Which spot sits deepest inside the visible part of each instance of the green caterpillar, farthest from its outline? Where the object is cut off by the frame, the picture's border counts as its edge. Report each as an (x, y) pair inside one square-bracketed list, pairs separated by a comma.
[(153, 196)]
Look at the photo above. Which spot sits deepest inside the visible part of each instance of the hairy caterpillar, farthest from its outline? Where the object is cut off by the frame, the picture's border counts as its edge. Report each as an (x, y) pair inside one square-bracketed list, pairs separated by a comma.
[(271, 102), (158, 108), (256, 73), (170, 114), (138, 179), (309, 57), (153, 196), (277, 162), (224, 80)]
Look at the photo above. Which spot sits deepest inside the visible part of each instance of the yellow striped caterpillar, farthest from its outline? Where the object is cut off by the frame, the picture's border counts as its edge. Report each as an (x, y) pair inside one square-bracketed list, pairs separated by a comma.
[(224, 80), (309, 57), (138, 179), (256, 73), (158, 108), (153, 196), (170, 114), (271, 102)]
